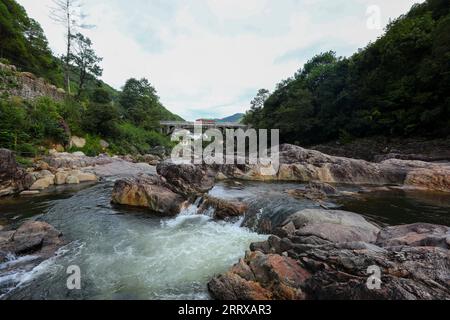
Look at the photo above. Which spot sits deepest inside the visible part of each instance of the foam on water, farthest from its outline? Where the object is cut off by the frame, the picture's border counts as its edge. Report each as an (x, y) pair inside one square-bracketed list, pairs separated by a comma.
[(133, 255)]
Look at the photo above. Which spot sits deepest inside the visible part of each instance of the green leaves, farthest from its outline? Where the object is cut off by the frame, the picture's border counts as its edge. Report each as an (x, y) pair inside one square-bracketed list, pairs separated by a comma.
[(398, 85)]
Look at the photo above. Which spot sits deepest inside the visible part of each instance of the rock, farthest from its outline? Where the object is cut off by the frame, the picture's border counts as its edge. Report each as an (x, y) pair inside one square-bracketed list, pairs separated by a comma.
[(43, 183), (8, 165), (432, 178), (42, 165), (150, 159), (159, 151), (315, 191), (223, 209), (7, 191), (104, 144), (338, 233), (61, 177), (29, 193), (417, 235), (72, 180), (44, 174), (221, 177), (308, 217), (86, 177), (414, 263), (286, 230), (77, 142), (323, 188), (302, 165), (33, 237), (147, 192), (75, 160), (261, 277), (187, 179), (78, 154)]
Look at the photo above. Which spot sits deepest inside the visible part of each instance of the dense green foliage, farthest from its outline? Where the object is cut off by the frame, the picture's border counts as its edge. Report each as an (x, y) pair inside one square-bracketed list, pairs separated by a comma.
[(396, 86), (24, 44), (128, 120)]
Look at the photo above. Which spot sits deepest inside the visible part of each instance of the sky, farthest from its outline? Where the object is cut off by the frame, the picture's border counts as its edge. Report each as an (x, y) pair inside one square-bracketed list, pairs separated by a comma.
[(208, 58)]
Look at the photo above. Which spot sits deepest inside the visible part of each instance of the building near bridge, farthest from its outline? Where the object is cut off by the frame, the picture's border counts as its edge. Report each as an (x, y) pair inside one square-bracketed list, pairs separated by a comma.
[(205, 121)]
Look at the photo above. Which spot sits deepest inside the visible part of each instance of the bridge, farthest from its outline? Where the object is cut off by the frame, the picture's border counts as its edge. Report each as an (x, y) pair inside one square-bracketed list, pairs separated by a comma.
[(169, 127)]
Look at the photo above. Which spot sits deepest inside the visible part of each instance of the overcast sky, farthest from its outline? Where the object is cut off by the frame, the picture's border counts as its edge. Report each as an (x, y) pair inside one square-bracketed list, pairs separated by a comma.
[(208, 58)]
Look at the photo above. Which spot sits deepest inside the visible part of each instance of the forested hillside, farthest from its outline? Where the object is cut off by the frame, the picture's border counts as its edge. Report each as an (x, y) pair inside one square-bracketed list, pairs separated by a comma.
[(127, 119), (397, 86)]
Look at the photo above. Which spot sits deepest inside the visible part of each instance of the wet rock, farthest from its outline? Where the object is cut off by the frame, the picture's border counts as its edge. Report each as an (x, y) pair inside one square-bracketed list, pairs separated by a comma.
[(187, 179), (315, 191), (223, 209), (32, 237), (147, 192), (29, 192)]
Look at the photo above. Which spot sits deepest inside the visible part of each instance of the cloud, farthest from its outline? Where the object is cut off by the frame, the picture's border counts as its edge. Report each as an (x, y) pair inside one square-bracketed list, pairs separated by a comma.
[(209, 57)]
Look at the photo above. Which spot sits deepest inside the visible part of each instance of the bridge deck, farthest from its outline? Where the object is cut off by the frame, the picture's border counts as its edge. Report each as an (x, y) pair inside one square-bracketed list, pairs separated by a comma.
[(184, 124)]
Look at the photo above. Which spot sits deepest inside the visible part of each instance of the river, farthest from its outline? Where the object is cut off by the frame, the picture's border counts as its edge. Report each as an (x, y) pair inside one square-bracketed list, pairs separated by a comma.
[(125, 253)]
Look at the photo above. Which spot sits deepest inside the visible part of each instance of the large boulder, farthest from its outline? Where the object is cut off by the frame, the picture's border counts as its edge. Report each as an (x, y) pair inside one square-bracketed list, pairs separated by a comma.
[(413, 262), (308, 217), (147, 192), (261, 277), (43, 183), (32, 237), (223, 209), (13, 179), (187, 179)]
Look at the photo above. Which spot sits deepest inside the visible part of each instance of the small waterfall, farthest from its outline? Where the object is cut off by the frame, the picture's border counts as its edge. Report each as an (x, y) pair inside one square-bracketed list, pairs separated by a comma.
[(191, 209)]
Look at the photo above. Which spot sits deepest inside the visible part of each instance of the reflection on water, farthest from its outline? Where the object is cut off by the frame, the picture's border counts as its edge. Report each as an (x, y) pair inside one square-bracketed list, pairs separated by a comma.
[(401, 206)]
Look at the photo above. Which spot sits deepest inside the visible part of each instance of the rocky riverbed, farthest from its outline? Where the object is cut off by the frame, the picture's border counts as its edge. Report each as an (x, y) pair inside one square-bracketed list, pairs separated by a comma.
[(317, 254), (311, 251)]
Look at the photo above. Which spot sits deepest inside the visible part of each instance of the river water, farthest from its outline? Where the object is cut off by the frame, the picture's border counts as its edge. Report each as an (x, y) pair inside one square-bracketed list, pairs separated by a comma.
[(125, 253)]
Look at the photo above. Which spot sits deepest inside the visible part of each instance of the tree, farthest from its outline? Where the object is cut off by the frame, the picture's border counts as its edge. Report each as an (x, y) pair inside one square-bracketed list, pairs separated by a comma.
[(23, 43), (69, 14), (141, 103), (85, 60), (101, 117), (256, 105), (396, 86)]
